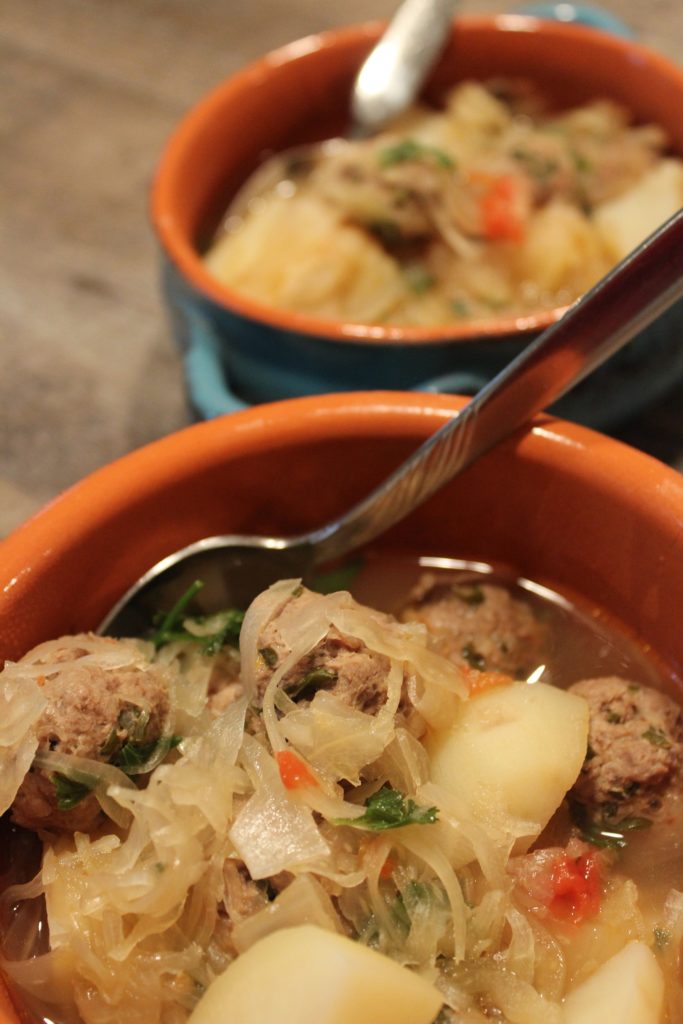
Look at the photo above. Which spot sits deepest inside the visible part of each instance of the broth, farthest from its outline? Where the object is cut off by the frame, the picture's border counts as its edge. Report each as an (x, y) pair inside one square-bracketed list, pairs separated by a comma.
[(584, 642)]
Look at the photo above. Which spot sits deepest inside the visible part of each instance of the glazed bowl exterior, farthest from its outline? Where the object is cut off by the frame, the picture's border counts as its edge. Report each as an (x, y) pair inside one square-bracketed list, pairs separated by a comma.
[(560, 504), (238, 351)]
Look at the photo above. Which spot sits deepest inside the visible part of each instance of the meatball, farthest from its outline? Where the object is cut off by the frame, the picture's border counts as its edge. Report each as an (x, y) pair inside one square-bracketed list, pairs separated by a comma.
[(479, 624), (340, 664), (635, 742), (357, 676), (93, 710), (36, 806)]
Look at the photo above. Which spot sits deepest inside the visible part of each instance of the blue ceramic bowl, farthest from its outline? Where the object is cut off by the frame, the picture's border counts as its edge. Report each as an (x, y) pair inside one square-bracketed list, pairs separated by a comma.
[(237, 352)]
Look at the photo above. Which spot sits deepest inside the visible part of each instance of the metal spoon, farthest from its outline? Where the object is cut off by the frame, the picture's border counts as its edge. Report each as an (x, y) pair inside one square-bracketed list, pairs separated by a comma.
[(391, 76), (234, 569)]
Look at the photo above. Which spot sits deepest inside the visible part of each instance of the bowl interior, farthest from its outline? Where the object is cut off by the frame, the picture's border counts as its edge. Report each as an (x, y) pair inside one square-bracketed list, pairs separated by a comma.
[(300, 93)]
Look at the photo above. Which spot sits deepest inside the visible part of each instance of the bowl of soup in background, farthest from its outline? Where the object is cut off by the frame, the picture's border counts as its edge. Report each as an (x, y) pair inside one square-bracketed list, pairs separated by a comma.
[(558, 504), (238, 351)]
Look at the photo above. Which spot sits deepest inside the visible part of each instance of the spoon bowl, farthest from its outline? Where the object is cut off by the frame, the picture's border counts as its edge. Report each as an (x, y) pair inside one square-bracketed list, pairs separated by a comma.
[(234, 569), (395, 69)]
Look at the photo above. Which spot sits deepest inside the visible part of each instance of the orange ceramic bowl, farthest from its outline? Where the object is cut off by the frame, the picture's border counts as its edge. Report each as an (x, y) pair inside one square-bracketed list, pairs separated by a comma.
[(239, 351), (559, 503)]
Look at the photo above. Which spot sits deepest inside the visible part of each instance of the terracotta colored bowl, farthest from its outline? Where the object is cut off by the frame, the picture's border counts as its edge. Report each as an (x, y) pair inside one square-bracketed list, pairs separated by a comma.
[(239, 351), (559, 503)]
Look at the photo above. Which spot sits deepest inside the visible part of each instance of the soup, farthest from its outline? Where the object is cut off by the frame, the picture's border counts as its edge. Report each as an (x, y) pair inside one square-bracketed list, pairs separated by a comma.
[(319, 811), (494, 205)]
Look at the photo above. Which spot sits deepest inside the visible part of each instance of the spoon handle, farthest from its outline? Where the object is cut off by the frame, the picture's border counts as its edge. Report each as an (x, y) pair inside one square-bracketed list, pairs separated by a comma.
[(624, 302), (392, 74)]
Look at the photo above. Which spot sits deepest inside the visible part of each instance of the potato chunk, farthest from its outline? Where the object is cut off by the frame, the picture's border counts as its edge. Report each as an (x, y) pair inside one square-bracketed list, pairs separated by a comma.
[(627, 220), (513, 752), (306, 975), (562, 249), (333, 269), (628, 988)]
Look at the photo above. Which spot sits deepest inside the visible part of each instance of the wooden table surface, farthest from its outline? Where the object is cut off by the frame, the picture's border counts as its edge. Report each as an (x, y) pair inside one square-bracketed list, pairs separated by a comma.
[(89, 91)]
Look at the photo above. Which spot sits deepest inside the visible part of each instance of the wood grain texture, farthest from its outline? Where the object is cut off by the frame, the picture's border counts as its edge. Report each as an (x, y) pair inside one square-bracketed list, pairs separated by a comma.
[(89, 91)]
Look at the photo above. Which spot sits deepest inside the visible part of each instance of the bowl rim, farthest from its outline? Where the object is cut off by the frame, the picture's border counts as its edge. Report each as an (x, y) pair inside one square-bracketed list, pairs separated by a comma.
[(184, 256), (83, 516), (105, 491)]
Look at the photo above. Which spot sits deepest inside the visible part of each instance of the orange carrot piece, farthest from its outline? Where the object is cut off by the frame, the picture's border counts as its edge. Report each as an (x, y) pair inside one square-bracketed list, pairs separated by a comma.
[(294, 772)]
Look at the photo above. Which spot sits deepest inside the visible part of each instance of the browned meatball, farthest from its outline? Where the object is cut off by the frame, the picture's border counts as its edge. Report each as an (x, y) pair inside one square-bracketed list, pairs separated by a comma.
[(343, 665), (357, 675), (479, 624), (35, 806), (92, 711), (635, 743)]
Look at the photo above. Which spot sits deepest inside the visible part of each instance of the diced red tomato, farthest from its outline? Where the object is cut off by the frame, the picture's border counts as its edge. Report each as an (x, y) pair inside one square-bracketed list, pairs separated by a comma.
[(502, 207), (576, 887), (293, 771)]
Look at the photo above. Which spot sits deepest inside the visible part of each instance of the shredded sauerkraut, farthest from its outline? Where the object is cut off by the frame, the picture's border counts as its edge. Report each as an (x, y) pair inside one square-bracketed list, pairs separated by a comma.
[(286, 804)]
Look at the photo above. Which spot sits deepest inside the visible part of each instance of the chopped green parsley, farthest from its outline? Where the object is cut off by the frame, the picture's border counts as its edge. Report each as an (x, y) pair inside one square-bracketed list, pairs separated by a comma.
[(410, 149), (605, 833), (473, 658), (225, 625), (657, 738), (69, 793), (390, 809), (269, 655), (316, 679)]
